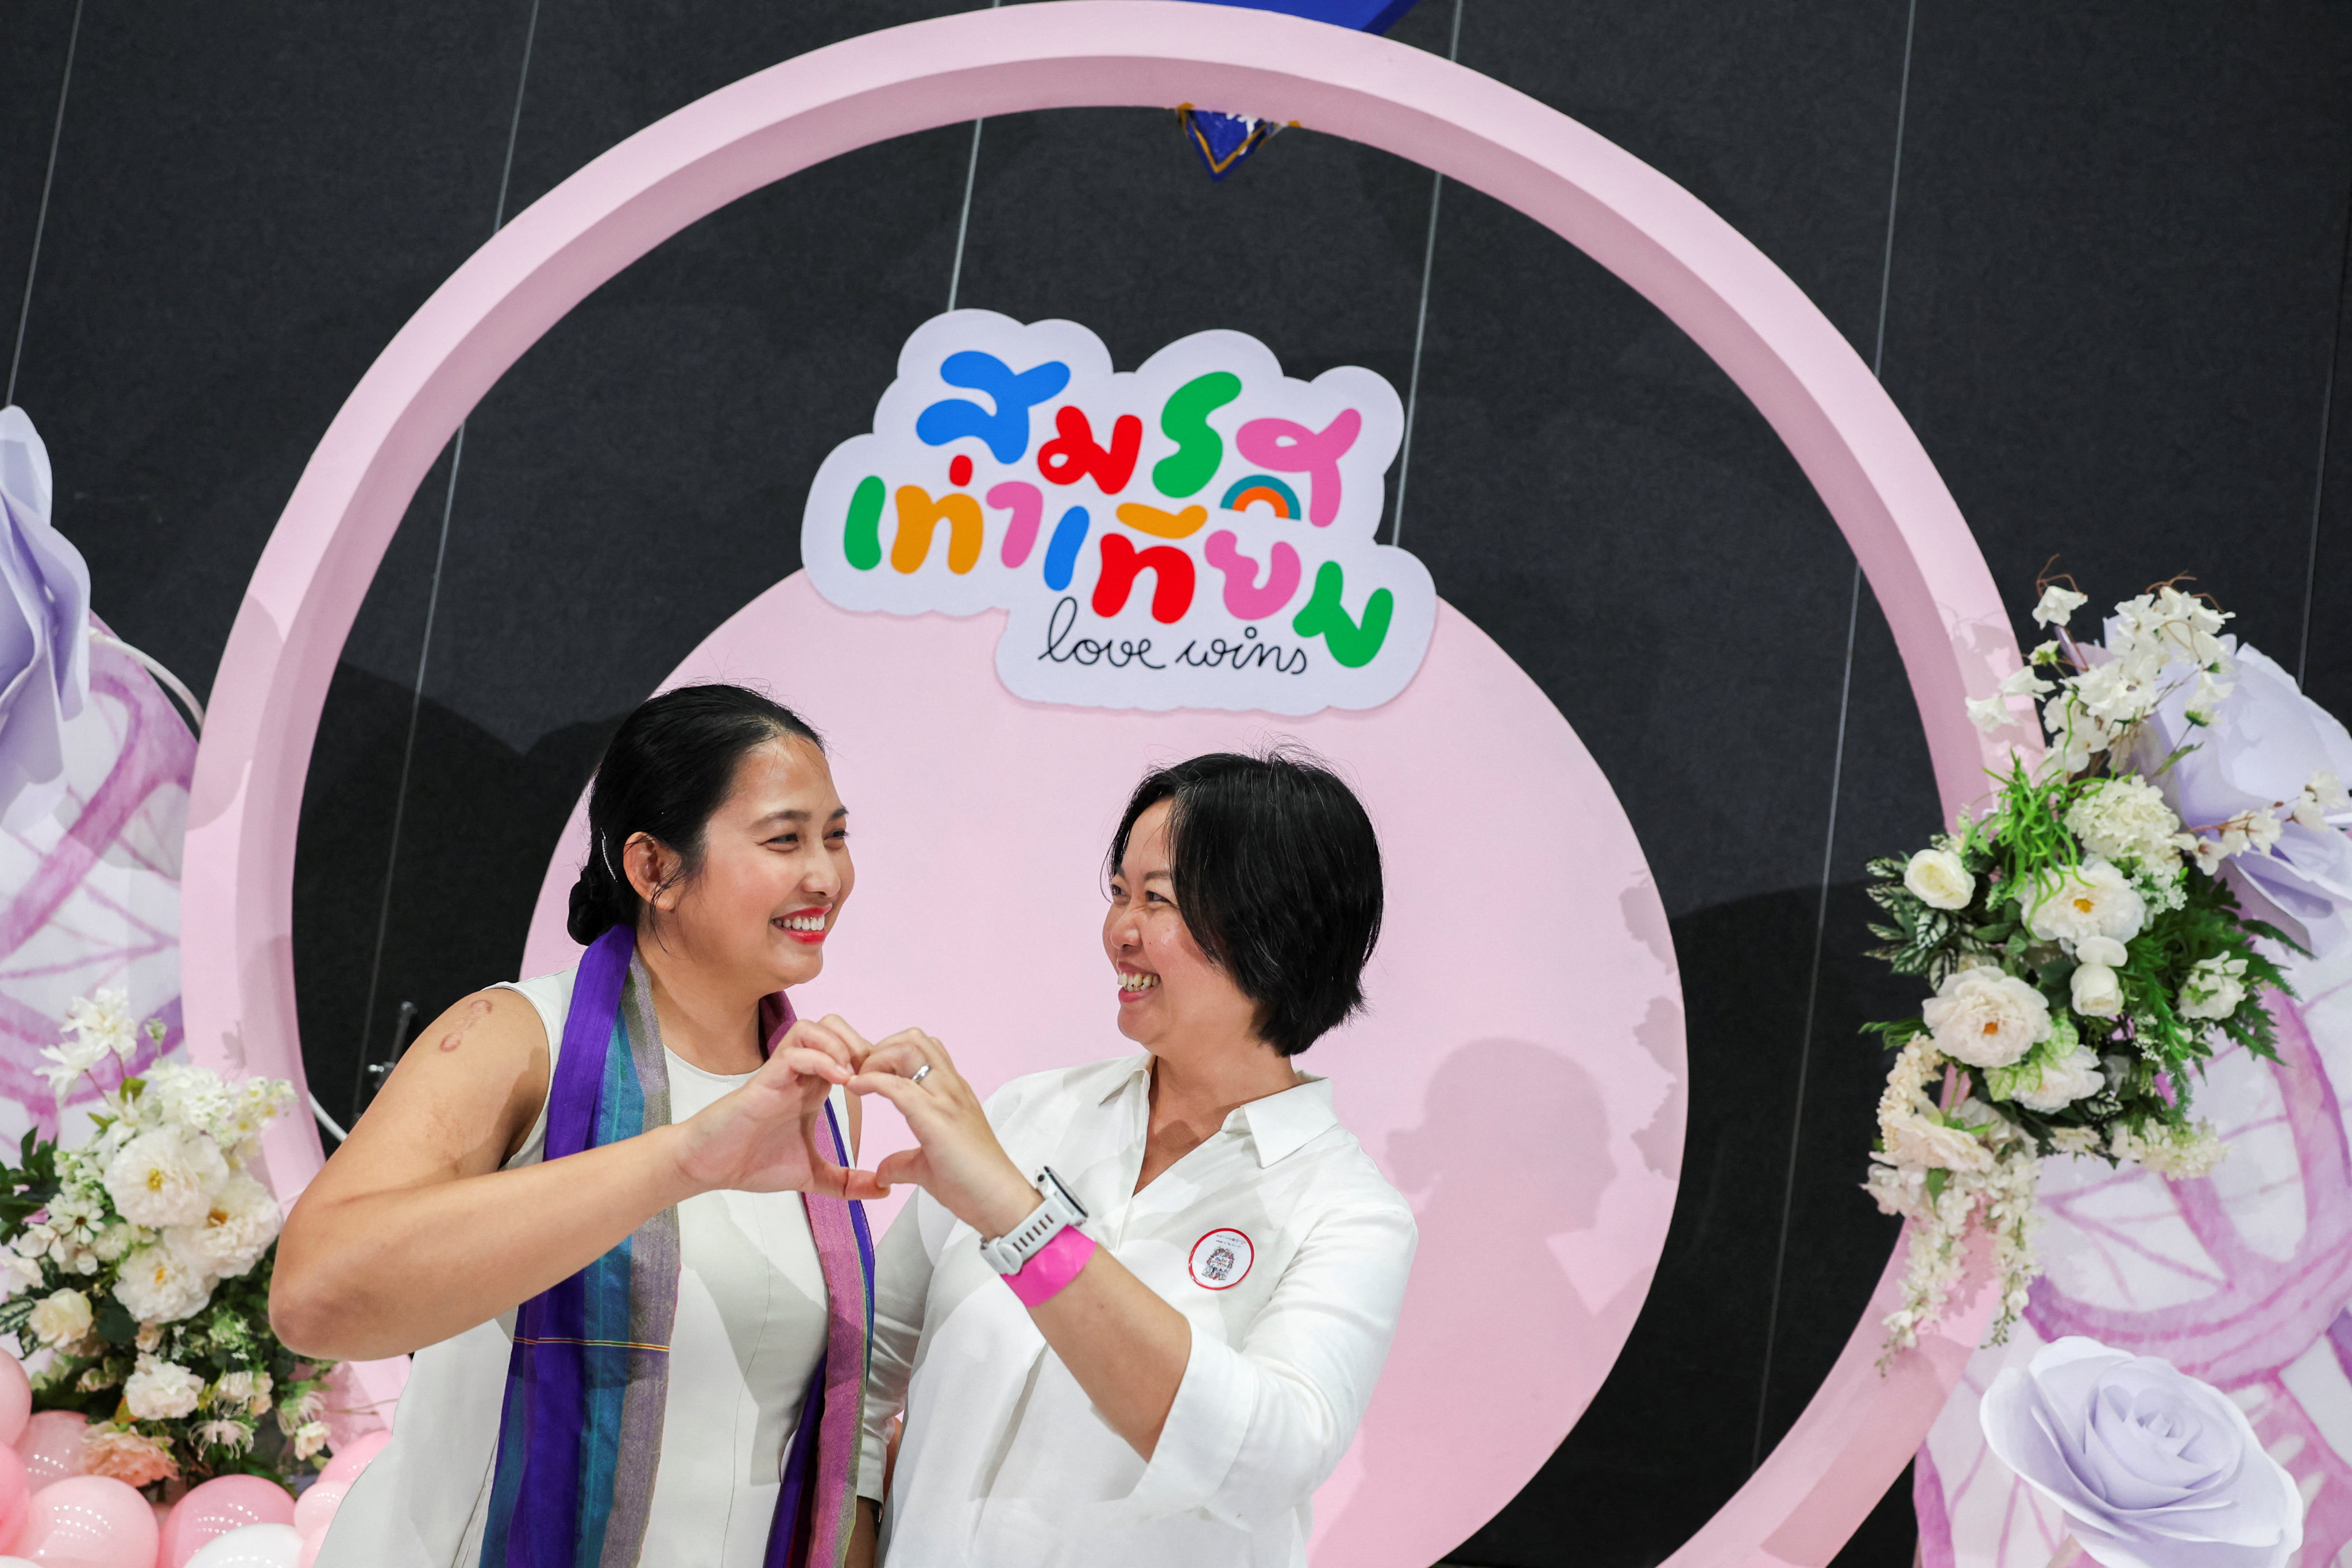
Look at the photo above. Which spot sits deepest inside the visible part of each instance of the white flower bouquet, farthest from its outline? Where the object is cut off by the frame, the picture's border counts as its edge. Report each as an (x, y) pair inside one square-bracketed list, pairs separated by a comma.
[(2088, 956), (136, 1270)]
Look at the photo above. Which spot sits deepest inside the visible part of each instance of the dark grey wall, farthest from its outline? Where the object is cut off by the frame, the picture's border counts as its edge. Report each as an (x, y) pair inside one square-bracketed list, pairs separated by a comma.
[(2096, 250)]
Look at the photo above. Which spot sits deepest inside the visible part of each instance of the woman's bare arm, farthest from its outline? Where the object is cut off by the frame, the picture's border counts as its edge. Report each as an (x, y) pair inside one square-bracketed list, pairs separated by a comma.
[(413, 1234), (1126, 1347)]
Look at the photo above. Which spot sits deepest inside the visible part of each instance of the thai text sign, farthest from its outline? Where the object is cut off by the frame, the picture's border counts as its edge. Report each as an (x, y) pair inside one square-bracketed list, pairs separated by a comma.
[(1198, 532)]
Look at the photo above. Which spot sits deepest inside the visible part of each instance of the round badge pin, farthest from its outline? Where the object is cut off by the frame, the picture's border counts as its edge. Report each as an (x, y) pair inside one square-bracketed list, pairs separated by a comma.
[(1220, 1259)]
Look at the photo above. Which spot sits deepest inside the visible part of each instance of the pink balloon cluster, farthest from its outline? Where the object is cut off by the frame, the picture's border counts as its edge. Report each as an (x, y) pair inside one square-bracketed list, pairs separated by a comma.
[(54, 1515)]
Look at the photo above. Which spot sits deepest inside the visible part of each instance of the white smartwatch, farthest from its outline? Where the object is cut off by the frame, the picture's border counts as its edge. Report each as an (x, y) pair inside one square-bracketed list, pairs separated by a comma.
[(1016, 1246)]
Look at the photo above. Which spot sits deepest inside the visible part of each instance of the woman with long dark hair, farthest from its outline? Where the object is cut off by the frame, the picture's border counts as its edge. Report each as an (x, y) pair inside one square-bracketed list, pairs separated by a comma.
[(609, 1208), (1205, 1268)]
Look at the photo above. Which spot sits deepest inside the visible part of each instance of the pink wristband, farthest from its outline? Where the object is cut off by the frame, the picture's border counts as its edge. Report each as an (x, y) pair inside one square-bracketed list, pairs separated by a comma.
[(1057, 1263)]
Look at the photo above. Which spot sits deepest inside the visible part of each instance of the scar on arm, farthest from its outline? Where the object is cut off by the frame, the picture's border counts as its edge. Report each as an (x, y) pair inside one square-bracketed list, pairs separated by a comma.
[(479, 1010)]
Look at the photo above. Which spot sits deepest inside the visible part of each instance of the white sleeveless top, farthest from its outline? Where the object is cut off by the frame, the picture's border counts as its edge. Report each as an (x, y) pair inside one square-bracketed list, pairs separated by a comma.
[(750, 1326)]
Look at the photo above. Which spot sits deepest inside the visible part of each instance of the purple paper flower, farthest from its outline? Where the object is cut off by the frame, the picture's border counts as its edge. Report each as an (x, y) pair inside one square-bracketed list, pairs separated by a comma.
[(2153, 1468), (44, 622), (2266, 741)]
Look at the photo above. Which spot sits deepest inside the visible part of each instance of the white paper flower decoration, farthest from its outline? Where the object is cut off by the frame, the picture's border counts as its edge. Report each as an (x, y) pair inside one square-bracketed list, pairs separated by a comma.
[(2153, 1468)]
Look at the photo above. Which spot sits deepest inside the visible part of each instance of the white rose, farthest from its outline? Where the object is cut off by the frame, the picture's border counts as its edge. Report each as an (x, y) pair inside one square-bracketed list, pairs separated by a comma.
[(1986, 1018), (2073, 1077), (17, 1274), (2098, 993), (1938, 879), (2094, 900), (235, 1231), (61, 1317), (1913, 1139), (156, 1286), (2213, 989), (160, 1389), (309, 1438), (164, 1178)]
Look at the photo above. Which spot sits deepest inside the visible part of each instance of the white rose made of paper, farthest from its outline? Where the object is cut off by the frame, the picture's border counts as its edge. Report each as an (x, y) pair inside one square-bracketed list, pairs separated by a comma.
[(2269, 742), (1986, 1018), (2153, 1468), (44, 624), (1938, 879)]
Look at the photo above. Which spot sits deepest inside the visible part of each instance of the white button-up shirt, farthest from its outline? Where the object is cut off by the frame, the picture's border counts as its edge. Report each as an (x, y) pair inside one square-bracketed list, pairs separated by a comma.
[(1277, 1238)]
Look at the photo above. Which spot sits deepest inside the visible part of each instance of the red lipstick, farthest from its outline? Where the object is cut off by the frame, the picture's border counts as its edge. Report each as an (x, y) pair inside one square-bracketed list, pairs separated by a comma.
[(811, 938)]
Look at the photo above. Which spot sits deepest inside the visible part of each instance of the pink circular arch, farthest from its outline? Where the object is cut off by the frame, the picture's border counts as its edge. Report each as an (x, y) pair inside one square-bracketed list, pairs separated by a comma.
[(1868, 467)]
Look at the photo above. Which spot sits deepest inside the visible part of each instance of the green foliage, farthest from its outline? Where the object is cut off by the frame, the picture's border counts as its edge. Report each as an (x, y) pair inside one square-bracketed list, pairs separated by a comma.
[(26, 1189), (242, 1426), (2151, 1054)]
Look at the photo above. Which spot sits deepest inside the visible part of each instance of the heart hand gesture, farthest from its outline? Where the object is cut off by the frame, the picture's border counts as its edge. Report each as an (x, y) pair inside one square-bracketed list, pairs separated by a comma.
[(763, 1138)]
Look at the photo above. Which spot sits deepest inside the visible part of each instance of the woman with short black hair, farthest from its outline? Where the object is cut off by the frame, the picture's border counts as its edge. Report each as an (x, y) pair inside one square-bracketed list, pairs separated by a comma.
[(607, 1207), (1204, 1267)]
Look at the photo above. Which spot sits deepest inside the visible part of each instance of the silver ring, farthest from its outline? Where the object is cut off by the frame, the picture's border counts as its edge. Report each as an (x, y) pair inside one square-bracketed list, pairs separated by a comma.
[(920, 1073)]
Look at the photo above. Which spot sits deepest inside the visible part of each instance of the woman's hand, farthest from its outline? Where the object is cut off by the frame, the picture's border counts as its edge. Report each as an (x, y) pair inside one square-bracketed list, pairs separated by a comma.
[(959, 1162), (763, 1137)]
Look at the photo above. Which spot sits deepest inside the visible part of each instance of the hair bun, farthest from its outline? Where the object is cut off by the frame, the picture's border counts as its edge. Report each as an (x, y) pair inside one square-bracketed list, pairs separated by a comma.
[(594, 910)]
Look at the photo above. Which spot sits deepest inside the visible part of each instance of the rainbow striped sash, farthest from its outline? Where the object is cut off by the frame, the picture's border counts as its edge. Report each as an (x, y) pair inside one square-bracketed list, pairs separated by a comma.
[(580, 1435)]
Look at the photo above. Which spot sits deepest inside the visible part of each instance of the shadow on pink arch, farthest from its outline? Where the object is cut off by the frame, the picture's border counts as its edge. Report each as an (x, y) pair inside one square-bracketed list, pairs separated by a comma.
[(1519, 1073)]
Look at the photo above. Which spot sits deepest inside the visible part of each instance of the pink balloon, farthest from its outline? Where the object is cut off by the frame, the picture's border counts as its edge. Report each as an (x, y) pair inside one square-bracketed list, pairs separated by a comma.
[(50, 1446), (306, 1558), (215, 1508), (16, 1399), (89, 1521), (315, 1508), (14, 1495), (354, 1457)]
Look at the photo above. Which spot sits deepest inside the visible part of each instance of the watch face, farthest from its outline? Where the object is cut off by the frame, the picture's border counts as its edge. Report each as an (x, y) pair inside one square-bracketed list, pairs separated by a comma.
[(1046, 1178)]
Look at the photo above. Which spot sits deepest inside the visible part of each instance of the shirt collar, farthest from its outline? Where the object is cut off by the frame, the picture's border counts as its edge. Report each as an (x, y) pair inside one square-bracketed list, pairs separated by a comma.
[(1279, 1125), (1138, 1067), (1282, 1124)]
